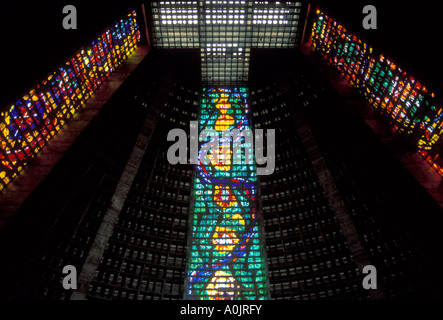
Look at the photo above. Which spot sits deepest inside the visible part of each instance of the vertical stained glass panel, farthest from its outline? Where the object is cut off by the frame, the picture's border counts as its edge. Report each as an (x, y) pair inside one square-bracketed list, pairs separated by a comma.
[(28, 125), (226, 260)]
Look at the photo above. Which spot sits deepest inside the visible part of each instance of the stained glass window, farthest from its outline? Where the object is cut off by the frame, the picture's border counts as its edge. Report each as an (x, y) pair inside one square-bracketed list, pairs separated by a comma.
[(28, 125), (409, 105), (226, 260)]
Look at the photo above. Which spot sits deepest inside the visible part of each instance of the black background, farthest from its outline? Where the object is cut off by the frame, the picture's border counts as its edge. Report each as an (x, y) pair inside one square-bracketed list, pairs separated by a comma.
[(34, 42)]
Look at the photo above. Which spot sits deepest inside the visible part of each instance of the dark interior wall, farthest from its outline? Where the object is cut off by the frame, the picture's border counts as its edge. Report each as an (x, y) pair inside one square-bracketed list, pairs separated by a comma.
[(58, 222), (35, 43)]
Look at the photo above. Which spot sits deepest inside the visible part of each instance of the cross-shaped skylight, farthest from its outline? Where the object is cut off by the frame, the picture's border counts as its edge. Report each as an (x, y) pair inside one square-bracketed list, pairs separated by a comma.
[(225, 32)]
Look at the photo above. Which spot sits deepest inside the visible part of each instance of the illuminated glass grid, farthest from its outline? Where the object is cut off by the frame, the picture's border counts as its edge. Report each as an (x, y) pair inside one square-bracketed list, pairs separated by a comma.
[(226, 259), (34, 119), (276, 24), (409, 105), (225, 32)]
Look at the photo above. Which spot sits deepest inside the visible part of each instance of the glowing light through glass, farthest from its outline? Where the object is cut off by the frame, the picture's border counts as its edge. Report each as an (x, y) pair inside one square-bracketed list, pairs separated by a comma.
[(226, 259), (28, 125), (410, 106)]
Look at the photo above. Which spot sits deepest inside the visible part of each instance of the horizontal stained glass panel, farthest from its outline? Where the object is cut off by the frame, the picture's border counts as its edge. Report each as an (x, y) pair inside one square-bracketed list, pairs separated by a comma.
[(226, 260), (409, 105), (28, 125)]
